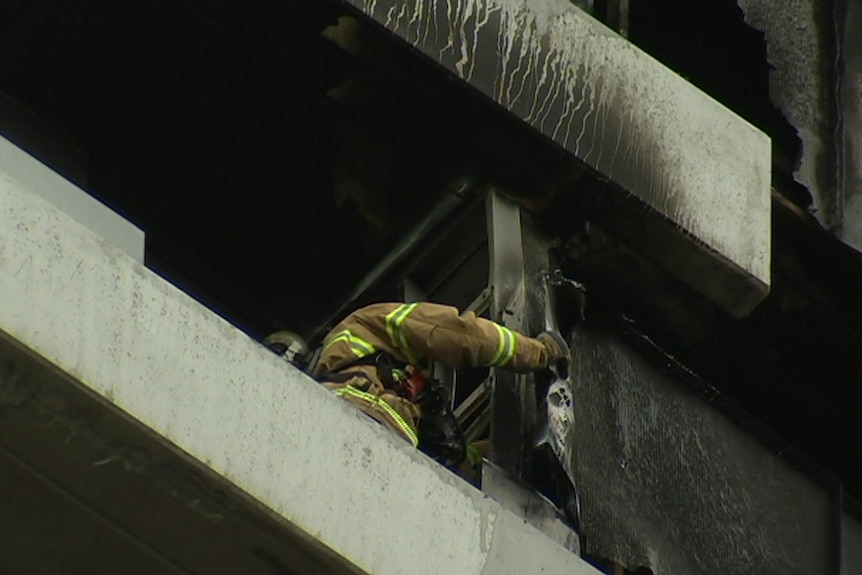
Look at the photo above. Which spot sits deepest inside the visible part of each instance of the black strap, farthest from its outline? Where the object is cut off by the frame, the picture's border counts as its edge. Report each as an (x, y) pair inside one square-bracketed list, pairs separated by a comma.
[(345, 376), (367, 360), (383, 361)]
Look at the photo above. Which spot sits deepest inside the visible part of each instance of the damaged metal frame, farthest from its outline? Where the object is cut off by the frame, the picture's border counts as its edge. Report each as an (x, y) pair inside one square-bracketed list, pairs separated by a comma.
[(511, 413), (514, 299), (513, 396)]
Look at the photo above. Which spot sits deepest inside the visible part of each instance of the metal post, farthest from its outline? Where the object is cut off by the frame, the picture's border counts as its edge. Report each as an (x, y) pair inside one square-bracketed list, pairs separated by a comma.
[(618, 16), (511, 410), (412, 246)]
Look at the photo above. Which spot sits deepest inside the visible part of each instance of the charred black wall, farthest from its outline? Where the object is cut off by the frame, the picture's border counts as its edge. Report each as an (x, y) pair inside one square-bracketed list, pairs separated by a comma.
[(668, 481)]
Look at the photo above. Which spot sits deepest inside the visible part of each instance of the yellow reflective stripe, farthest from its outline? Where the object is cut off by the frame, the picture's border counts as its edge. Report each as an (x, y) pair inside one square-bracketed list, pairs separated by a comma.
[(358, 346), (506, 347), (362, 345), (474, 456), (394, 322), (383, 404), (501, 345), (343, 336)]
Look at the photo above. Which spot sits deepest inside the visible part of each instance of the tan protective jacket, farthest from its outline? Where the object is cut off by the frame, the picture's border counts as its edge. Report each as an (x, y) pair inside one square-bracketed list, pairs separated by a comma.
[(411, 333)]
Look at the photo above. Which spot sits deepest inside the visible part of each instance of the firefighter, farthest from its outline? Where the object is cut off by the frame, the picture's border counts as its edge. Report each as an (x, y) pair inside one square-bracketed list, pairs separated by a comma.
[(378, 357)]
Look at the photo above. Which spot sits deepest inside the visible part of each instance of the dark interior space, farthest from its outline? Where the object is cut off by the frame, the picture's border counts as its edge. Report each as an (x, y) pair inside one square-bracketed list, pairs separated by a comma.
[(209, 126), (271, 167)]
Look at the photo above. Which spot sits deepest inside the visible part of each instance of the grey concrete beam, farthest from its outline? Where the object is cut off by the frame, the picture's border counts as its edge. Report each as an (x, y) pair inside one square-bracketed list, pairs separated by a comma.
[(125, 345), (87, 490), (684, 160)]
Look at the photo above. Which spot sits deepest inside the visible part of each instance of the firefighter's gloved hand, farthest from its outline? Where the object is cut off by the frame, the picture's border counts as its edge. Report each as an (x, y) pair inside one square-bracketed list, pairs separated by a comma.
[(559, 356)]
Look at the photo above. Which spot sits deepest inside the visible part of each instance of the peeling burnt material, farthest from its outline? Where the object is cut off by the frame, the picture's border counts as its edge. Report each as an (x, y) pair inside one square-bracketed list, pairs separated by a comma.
[(710, 44), (618, 111), (799, 39), (850, 145)]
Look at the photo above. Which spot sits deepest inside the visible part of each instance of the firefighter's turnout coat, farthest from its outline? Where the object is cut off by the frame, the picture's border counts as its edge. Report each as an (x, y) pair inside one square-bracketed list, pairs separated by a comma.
[(411, 333)]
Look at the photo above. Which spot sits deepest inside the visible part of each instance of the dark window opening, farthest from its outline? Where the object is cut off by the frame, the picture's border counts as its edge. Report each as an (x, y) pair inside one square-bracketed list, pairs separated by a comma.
[(710, 45)]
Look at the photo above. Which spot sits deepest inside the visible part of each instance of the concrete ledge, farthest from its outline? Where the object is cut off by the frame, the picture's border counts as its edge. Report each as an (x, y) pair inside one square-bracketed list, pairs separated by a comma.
[(671, 149), (133, 341), (84, 208)]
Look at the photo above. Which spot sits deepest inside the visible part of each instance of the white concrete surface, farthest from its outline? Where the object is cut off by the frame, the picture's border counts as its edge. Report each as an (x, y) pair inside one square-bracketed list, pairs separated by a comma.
[(37, 177), (93, 312), (613, 106)]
